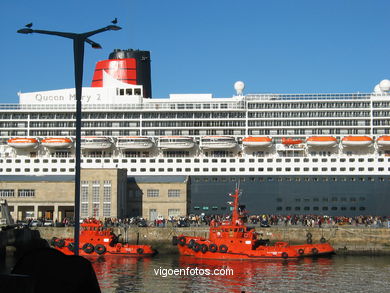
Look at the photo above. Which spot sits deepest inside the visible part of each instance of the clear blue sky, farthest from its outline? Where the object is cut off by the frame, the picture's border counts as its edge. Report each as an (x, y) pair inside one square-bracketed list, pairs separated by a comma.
[(204, 46)]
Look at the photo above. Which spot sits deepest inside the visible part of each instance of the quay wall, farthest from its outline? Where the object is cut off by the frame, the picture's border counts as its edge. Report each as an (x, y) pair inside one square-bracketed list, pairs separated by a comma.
[(345, 240)]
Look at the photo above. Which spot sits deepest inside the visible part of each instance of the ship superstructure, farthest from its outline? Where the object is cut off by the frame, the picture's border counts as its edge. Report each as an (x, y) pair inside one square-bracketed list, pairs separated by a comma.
[(267, 139)]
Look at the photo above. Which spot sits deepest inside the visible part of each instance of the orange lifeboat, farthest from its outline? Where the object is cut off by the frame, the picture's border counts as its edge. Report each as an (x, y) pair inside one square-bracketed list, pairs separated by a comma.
[(23, 142), (232, 239), (383, 141), (97, 240), (252, 141), (56, 142), (356, 141), (291, 141), (324, 141)]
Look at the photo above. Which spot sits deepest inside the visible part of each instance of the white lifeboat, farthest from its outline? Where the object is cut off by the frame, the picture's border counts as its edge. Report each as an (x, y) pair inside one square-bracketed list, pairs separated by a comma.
[(252, 141), (95, 143), (383, 141), (218, 142), (176, 142), (321, 141), (134, 143), (350, 141), (56, 142), (23, 142)]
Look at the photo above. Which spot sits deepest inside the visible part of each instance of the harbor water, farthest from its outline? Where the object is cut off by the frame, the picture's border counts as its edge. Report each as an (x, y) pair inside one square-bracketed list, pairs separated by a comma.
[(335, 274)]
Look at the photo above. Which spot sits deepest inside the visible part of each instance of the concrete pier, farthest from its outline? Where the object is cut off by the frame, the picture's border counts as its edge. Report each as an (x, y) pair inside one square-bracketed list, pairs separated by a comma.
[(346, 240)]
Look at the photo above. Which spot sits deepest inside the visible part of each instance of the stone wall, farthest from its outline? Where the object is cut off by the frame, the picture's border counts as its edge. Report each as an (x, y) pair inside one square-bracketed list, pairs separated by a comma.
[(346, 240)]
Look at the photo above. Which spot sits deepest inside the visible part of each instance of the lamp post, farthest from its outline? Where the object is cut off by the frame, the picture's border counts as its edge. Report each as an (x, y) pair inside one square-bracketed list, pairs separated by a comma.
[(78, 52)]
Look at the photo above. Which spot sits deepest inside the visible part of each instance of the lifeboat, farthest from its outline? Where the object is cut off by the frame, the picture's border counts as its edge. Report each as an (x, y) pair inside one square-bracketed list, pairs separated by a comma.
[(321, 141), (95, 143), (23, 142), (134, 143), (291, 141), (349, 141), (383, 141), (232, 239), (218, 142), (176, 142), (97, 240), (56, 142), (252, 141)]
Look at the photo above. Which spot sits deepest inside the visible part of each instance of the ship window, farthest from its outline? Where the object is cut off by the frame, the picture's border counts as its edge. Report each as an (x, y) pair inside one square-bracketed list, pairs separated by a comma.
[(17, 170), (361, 169), (223, 208), (352, 169), (196, 208), (61, 170), (260, 169), (361, 160), (54, 169), (381, 169), (270, 169), (270, 179), (178, 169), (196, 169), (324, 169), (251, 169), (316, 208), (288, 169), (279, 179), (232, 169), (27, 170), (8, 161), (89, 160), (232, 160), (143, 170), (45, 170), (124, 160), (129, 92), (324, 208), (205, 169), (205, 208), (278, 160), (279, 208), (71, 169), (352, 160), (297, 208), (370, 169), (342, 169), (269, 160), (251, 160), (205, 160), (160, 169), (334, 208), (342, 160), (288, 208), (133, 170), (260, 160), (306, 208), (137, 92), (242, 160), (296, 160), (122, 92), (35, 161), (26, 161), (297, 170), (315, 169), (170, 169), (352, 208), (371, 160), (343, 208), (306, 160)]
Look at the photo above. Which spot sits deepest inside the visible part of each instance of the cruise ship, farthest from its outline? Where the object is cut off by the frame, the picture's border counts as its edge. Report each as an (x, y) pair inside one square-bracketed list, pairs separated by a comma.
[(318, 153)]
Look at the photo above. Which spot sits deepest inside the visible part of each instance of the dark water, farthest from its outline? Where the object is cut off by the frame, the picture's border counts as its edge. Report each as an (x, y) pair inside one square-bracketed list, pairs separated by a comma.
[(336, 274)]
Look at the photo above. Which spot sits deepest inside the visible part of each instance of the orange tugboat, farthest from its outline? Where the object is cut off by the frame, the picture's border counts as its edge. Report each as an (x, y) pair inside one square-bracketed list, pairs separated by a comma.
[(97, 240), (232, 239)]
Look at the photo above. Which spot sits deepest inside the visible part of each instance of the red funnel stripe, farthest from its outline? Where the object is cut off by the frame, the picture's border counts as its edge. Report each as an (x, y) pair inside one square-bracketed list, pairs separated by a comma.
[(124, 70)]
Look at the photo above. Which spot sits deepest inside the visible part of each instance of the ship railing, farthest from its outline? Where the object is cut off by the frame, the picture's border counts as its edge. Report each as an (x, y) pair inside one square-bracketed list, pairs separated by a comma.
[(324, 96)]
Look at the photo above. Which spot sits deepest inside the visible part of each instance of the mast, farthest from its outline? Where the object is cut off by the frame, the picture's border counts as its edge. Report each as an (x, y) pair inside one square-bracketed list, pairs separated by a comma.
[(235, 213)]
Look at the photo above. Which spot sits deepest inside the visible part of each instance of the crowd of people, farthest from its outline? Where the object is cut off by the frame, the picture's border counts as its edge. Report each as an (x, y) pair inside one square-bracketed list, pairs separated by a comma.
[(254, 220)]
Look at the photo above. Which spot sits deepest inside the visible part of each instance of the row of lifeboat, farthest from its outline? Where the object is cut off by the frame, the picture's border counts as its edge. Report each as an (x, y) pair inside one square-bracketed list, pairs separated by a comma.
[(183, 142)]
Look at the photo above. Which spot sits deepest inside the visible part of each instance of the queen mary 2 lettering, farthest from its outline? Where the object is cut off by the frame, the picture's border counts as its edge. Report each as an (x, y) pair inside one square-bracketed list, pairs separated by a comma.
[(310, 153)]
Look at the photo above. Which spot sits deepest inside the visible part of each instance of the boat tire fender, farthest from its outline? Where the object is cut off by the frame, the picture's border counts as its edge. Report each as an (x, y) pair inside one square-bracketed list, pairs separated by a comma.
[(182, 240), (60, 243), (213, 247), (314, 250), (322, 240), (140, 250), (223, 248), (191, 243), (309, 241), (174, 240), (284, 255), (196, 247), (309, 235), (301, 251), (71, 246), (53, 241), (100, 249), (204, 248), (88, 248)]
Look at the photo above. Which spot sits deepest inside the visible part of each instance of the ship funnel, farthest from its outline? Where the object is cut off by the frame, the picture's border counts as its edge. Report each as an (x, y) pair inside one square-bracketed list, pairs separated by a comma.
[(128, 66)]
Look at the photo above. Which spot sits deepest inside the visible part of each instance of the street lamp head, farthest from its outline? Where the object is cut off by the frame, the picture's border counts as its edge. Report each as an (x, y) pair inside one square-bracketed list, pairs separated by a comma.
[(25, 31), (93, 44), (114, 28)]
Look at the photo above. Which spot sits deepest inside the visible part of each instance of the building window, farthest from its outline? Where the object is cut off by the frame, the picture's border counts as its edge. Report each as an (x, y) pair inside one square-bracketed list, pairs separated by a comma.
[(153, 193), (7, 193), (107, 199), (173, 212), (173, 192), (84, 199), (26, 192), (95, 199)]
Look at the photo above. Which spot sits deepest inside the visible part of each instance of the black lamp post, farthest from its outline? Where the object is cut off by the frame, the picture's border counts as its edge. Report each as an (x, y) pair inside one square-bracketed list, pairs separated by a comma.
[(78, 52)]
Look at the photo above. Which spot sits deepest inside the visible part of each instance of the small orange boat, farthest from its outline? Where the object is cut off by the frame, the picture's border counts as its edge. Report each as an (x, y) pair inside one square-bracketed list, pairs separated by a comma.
[(351, 141), (97, 240), (232, 239)]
